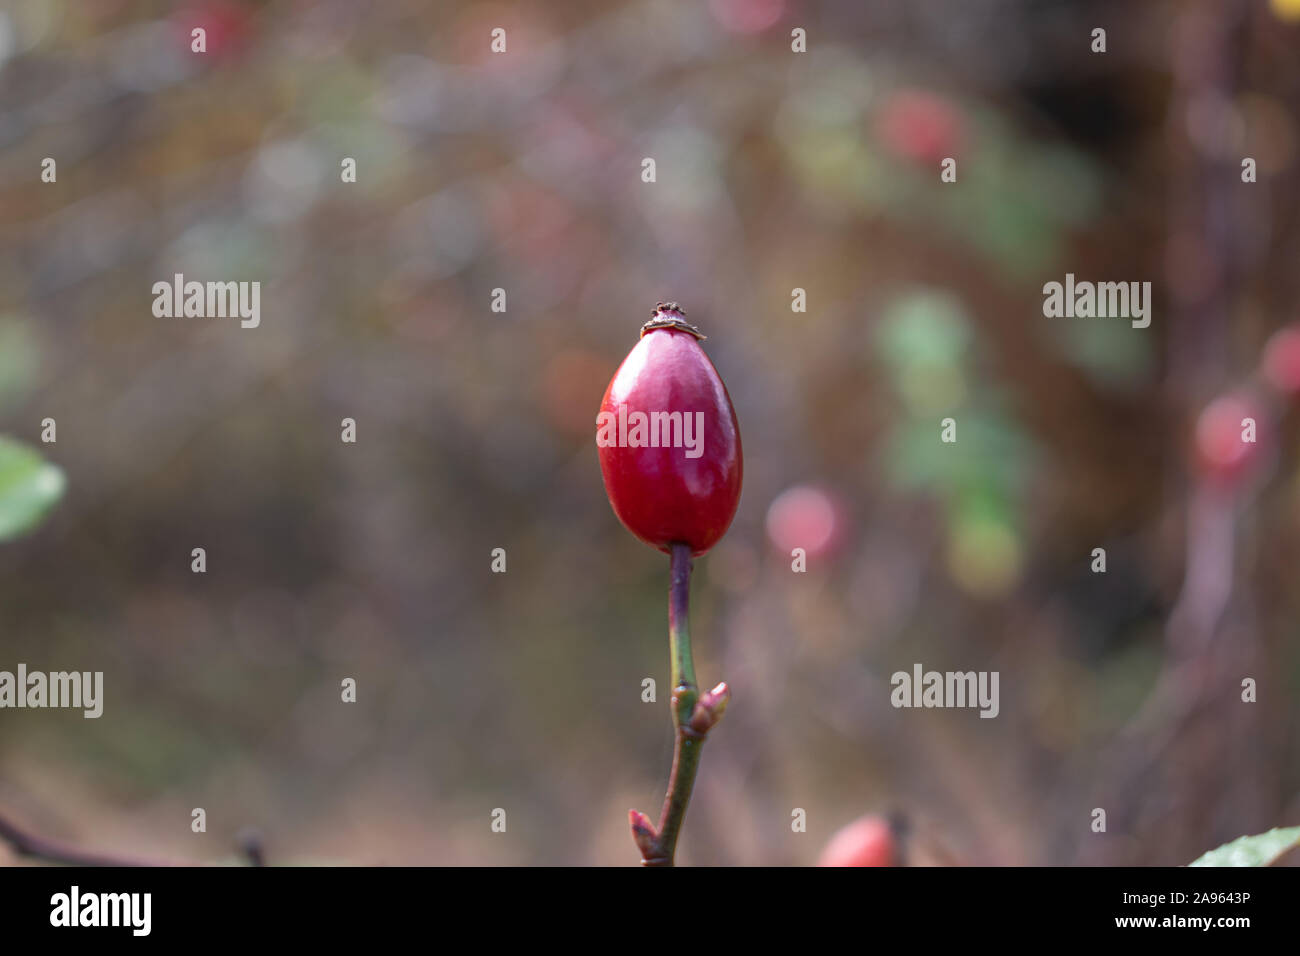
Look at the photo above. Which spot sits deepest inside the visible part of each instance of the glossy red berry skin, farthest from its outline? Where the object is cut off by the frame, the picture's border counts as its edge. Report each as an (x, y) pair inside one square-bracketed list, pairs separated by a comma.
[(672, 494)]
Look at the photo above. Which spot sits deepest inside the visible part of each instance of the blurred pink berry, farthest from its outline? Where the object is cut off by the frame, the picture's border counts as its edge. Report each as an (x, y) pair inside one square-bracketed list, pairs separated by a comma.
[(747, 16), (1223, 454), (868, 841), (1281, 364), (804, 517), (920, 126), (228, 26)]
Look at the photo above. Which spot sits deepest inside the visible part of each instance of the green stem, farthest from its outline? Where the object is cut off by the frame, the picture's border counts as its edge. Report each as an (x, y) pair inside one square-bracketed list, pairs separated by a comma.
[(686, 751), (693, 716), (685, 691)]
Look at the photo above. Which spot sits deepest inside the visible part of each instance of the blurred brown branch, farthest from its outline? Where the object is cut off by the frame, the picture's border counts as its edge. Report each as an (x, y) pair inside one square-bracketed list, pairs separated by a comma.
[(25, 844), (53, 851)]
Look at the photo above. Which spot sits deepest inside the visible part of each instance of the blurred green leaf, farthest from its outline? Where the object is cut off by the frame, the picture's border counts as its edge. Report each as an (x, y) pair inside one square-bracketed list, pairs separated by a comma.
[(1258, 850), (914, 458), (927, 328), (991, 455), (29, 487), (1112, 352), (19, 358)]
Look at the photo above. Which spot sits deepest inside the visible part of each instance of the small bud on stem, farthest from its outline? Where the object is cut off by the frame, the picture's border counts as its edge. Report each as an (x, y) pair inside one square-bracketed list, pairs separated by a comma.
[(709, 709)]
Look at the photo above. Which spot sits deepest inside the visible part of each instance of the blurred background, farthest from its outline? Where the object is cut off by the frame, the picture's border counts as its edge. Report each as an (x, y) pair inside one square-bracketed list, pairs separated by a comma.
[(775, 171)]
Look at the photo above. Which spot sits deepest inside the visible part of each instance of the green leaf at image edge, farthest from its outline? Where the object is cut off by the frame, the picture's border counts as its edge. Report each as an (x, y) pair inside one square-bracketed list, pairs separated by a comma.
[(29, 487), (1260, 850)]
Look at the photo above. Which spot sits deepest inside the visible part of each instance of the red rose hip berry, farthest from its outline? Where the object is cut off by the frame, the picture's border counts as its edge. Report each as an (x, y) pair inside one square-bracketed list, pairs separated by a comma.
[(668, 440)]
